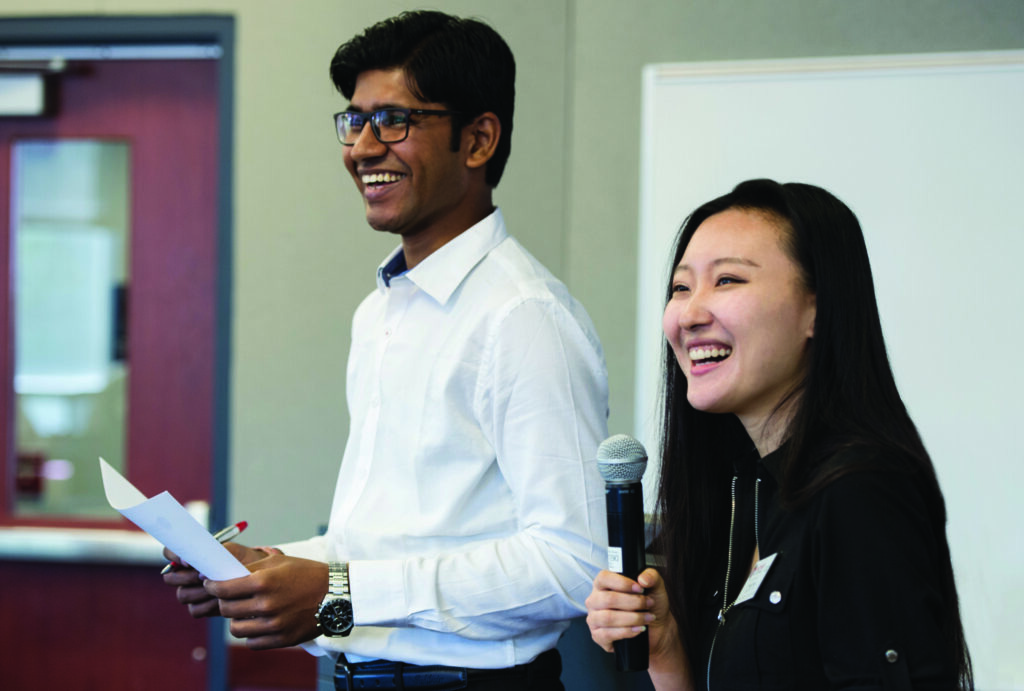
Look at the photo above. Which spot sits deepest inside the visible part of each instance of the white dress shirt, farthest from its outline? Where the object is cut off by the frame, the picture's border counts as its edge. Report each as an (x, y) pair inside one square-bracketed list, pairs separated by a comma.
[(468, 504)]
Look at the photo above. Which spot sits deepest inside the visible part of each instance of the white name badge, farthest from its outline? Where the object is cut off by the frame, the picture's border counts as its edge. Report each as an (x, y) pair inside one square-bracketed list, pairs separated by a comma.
[(755, 578)]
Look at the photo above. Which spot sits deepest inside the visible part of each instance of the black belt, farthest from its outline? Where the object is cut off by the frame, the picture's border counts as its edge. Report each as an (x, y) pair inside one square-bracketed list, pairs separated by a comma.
[(385, 674)]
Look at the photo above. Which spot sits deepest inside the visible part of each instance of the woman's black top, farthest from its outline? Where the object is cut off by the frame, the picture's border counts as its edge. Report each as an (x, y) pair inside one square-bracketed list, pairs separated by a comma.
[(852, 599)]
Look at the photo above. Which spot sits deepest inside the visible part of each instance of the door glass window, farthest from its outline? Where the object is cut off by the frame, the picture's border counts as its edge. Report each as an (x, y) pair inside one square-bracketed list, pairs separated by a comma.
[(70, 230)]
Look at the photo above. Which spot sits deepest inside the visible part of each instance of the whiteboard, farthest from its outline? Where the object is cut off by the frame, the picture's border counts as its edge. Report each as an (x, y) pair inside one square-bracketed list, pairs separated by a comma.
[(928, 151)]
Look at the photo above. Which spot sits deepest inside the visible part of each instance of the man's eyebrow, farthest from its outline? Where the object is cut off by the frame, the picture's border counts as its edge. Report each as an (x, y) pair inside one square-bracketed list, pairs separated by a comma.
[(381, 106)]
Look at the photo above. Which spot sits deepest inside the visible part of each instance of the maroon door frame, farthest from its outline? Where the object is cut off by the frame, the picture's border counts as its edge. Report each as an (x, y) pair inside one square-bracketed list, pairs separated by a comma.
[(178, 397)]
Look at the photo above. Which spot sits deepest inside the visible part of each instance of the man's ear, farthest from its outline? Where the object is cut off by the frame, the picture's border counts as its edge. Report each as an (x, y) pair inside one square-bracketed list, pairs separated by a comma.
[(483, 133)]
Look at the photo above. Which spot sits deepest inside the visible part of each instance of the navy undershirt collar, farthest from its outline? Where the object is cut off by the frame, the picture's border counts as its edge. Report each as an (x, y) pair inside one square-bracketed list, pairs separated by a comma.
[(394, 268)]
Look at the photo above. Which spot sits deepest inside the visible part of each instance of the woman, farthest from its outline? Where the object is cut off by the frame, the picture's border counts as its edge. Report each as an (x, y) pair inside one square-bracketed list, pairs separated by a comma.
[(800, 516)]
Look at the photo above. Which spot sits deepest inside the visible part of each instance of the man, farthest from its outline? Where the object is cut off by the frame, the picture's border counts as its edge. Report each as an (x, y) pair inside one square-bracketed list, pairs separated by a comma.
[(467, 522)]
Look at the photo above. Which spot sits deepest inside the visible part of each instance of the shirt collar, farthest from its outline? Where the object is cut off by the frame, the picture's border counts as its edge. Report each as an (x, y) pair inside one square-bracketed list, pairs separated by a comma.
[(747, 461), (441, 273), (773, 463)]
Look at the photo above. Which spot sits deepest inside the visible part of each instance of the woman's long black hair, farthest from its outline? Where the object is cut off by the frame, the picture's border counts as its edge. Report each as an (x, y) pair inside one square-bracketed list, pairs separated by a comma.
[(848, 397)]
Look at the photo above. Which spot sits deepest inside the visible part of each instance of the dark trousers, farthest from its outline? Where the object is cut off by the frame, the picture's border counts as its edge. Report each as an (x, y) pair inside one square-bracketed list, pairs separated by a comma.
[(543, 674)]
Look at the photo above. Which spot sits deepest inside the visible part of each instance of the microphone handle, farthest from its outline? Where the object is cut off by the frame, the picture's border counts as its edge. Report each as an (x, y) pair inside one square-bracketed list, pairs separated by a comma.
[(632, 654), (627, 555)]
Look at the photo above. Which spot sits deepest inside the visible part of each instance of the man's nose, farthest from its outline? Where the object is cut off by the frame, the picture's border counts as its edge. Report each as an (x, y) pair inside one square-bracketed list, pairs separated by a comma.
[(367, 145)]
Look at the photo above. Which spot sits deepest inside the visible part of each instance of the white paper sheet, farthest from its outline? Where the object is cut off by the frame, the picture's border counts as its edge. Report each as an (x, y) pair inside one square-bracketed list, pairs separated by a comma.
[(174, 527)]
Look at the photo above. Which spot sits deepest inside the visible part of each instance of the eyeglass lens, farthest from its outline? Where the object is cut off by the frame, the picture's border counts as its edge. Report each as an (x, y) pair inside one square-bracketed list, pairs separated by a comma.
[(390, 125)]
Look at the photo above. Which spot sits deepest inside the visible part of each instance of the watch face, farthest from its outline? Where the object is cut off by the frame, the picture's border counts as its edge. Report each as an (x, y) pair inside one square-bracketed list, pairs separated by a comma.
[(335, 617)]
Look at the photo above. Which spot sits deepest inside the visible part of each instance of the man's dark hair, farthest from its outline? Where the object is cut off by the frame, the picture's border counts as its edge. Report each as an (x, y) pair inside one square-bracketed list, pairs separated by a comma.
[(462, 64)]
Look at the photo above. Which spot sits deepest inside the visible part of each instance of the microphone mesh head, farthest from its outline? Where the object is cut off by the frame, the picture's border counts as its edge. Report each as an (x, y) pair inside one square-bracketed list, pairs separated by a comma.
[(621, 459)]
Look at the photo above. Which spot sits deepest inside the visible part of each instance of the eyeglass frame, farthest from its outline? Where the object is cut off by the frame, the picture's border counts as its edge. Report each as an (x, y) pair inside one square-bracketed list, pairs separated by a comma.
[(372, 115)]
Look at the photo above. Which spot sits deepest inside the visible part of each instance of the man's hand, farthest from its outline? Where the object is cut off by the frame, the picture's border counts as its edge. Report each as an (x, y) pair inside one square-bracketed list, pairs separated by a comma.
[(275, 606), (189, 582)]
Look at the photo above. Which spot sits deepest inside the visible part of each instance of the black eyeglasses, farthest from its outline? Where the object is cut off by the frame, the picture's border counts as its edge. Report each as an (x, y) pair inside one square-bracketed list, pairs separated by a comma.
[(389, 125)]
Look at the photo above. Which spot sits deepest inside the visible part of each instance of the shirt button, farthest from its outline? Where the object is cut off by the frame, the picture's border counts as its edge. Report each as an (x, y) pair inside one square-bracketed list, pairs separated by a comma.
[(775, 598), (892, 655), (387, 332)]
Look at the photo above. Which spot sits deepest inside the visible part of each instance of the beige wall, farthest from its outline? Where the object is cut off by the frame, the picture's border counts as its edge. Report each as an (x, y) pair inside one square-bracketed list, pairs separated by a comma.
[(303, 257)]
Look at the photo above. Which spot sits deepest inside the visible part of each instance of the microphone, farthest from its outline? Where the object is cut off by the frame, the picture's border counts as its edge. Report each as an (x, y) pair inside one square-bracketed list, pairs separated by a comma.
[(621, 460)]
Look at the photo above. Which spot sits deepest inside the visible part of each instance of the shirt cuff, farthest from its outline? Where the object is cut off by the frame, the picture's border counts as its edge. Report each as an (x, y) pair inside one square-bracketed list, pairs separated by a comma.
[(313, 648), (378, 592)]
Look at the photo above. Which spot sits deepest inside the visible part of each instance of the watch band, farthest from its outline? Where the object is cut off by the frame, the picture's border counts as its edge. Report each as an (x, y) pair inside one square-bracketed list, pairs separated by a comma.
[(337, 579)]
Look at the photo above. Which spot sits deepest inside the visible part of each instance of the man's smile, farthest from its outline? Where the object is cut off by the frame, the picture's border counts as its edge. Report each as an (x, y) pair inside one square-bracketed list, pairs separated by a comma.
[(381, 178)]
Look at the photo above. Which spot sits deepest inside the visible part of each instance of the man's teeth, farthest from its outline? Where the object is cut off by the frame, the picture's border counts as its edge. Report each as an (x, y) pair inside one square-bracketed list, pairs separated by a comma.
[(377, 178), (697, 354)]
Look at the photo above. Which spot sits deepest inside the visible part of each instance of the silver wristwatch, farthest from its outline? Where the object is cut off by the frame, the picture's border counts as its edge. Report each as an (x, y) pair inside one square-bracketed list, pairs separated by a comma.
[(334, 615)]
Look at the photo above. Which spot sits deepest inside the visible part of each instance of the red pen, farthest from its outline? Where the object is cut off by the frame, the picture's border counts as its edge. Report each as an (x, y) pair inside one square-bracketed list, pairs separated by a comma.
[(221, 536)]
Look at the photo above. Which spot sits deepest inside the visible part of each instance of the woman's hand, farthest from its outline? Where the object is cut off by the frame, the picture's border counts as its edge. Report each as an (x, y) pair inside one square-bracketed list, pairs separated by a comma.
[(619, 608)]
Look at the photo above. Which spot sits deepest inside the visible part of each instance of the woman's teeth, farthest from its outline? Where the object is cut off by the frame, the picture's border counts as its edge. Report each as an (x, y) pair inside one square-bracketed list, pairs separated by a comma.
[(700, 354)]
